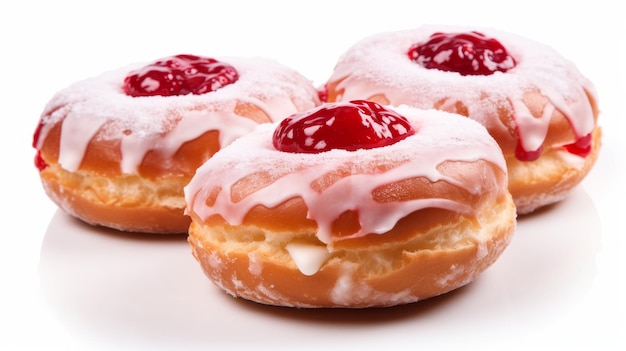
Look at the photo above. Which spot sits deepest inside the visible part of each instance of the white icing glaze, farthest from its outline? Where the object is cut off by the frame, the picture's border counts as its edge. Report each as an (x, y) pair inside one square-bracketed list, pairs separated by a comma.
[(81, 131), (97, 107), (309, 258), (439, 137), (230, 126), (379, 65)]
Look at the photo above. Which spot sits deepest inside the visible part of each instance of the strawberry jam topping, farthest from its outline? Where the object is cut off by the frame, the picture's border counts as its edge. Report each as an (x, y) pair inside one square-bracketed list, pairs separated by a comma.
[(470, 53), (179, 75), (348, 125)]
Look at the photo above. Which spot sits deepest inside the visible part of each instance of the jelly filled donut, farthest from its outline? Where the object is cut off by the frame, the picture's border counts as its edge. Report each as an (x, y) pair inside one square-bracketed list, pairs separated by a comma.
[(540, 109), (353, 205), (117, 149)]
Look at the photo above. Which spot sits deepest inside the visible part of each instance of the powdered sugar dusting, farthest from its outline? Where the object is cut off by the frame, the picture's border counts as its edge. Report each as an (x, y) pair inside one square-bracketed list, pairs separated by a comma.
[(255, 264), (215, 262), (348, 291), (454, 272)]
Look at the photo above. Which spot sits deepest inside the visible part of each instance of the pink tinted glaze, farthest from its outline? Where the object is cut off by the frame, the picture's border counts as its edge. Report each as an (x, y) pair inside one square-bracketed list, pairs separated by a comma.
[(97, 107), (379, 65), (440, 137)]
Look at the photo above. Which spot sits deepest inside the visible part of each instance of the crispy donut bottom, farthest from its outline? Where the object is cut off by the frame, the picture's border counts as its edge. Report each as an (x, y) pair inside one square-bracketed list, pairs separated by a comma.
[(442, 253), (128, 203)]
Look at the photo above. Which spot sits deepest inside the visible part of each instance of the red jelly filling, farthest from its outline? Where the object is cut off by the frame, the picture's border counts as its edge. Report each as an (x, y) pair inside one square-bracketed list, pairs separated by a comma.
[(179, 75), (470, 53), (525, 155), (322, 93), (348, 125), (582, 146), (39, 162)]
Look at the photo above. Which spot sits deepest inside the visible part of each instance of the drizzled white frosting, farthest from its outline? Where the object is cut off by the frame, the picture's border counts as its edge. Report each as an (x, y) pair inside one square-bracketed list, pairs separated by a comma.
[(309, 258), (97, 107), (439, 137), (379, 65)]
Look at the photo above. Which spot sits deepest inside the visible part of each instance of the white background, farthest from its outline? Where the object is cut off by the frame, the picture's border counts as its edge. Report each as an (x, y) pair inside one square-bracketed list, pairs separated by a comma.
[(65, 286)]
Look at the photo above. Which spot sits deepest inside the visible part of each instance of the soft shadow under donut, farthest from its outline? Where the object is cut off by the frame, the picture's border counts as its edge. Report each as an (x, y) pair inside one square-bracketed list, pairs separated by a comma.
[(361, 316)]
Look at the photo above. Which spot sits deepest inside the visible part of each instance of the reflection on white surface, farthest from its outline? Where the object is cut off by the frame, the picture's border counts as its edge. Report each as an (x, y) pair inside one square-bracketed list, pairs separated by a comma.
[(132, 291)]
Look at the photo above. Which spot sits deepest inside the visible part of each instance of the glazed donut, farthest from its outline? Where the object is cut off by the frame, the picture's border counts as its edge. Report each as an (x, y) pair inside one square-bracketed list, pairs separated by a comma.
[(353, 205), (117, 149), (537, 105)]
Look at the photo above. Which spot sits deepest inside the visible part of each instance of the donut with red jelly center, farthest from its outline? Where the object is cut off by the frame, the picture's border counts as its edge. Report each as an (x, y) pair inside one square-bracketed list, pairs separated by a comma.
[(540, 108), (116, 150), (296, 213)]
